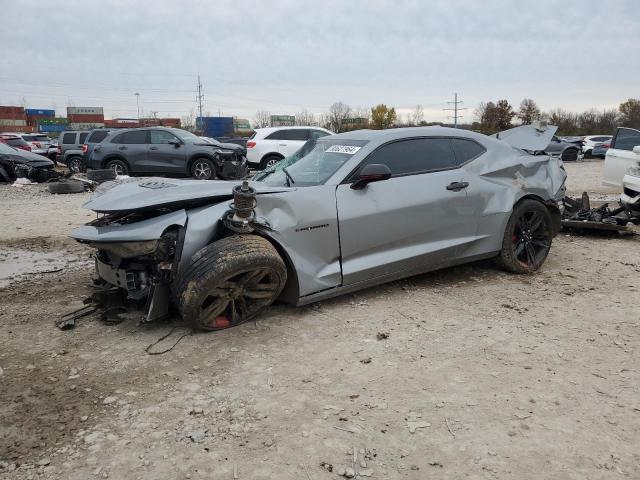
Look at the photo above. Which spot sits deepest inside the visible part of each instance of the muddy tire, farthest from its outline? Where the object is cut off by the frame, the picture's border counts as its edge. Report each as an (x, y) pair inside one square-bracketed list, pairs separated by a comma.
[(527, 238), (229, 282), (101, 175), (66, 187)]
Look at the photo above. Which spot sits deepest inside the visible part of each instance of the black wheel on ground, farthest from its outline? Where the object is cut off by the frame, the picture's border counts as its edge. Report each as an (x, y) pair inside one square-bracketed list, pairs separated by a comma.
[(588, 154), (527, 238), (118, 166), (269, 161), (569, 155), (203, 169), (74, 164), (101, 175), (66, 187), (229, 282)]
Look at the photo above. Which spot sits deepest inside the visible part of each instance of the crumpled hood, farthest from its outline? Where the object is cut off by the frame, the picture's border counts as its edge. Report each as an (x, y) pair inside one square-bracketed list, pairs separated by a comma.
[(151, 193)]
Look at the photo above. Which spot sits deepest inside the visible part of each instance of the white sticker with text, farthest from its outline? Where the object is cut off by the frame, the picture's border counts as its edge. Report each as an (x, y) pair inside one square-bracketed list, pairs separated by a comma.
[(348, 149)]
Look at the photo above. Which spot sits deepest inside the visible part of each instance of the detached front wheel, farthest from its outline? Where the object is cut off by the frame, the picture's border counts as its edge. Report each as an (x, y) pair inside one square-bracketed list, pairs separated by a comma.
[(229, 282), (527, 238)]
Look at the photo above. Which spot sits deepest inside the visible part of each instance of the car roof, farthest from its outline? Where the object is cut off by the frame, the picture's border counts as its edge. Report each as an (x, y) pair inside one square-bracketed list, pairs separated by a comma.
[(273, 129), (398, 133)]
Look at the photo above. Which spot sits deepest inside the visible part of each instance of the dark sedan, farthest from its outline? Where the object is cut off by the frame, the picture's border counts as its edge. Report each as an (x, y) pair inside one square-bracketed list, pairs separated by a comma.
[(168, 151)]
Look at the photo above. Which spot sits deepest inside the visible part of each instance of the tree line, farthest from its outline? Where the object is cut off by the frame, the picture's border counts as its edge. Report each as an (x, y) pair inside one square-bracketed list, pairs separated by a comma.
[(490, 117)]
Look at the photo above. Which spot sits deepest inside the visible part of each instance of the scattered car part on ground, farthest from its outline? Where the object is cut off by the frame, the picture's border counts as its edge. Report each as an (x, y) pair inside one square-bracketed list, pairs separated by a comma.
[(169, 151), (17, 163), (67, 186), (361, 208), (623, 154), (267, 146)]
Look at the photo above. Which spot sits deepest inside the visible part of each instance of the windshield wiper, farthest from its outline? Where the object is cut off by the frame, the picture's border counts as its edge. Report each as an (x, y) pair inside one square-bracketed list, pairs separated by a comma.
[(290, 179)]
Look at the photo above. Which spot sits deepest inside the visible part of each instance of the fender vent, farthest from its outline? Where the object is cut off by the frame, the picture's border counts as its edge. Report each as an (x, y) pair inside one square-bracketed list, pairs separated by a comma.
[(155, 184)]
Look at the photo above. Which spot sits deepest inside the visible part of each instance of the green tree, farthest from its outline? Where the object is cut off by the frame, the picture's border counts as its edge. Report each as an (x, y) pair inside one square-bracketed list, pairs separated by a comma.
[(382, 117), (630, 113), (494, 117), (529, 112)]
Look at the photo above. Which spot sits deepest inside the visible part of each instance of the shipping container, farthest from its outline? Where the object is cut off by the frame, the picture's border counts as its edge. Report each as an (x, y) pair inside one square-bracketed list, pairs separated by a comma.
[(12, 110), (53, 121), (85, 126), (215, 126), (85, 118), (6, 122), (18, 128), (119, 123), (52, 128), (283, 120), (85, 110), (36, 112), (12, 116)]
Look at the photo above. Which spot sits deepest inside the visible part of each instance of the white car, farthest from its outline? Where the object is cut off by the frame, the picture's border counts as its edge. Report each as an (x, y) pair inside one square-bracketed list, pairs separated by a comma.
[(267, 146), (623, 155), (39, 143), (590, 141)]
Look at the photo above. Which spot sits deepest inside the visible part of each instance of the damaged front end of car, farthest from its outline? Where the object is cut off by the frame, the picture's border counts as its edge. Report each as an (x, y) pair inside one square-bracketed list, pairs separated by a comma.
[(139, 250)]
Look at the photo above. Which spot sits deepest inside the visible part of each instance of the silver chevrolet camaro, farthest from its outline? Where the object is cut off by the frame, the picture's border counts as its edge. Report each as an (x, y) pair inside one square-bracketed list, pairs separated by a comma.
[(346, 212)]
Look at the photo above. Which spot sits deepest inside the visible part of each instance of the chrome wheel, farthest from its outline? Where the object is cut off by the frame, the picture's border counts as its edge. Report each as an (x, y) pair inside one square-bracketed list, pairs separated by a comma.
[(202, 170), (74, 164), (272, 162)]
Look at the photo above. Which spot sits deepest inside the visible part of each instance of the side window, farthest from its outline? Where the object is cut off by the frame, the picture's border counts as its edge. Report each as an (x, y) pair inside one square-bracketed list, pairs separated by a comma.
[(277, 135), (466, 150), (83, 137), (418, 155), (298, 134), (161, 137), (98, 136), (69, 138), (626, 139), (318, 133), (133, 137)]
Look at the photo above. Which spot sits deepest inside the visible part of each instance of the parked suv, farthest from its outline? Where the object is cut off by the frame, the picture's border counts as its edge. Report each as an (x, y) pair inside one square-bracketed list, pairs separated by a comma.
[(70, 149), (39, 143), (267, 146), (94, 137), (567, 151), (591, 141), (170, 151), (623, 154)]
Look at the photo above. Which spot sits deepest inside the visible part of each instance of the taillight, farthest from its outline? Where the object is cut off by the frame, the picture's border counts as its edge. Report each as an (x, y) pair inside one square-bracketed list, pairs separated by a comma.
[(25, 147), (251, 144), (85, 147)]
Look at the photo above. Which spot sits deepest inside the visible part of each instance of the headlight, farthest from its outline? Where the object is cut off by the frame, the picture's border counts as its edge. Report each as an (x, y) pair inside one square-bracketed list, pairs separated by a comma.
[(127, 249)]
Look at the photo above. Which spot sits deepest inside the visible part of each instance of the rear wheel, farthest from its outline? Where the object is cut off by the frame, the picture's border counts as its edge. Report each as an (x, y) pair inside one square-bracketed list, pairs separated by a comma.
[(74, 164), (118, 166), (269, 161), (527, 238), (229, 282)]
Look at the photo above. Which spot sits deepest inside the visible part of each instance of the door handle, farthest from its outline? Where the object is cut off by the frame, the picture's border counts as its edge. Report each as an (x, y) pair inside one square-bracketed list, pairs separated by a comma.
[(457, 186), (283, 144), (122, 148), (153, 148)]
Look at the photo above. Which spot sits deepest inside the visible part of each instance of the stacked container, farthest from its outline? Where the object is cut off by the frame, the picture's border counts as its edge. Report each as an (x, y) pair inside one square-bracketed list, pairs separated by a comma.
[(85, 118), (53, 124), (34, 115), (13, 119)]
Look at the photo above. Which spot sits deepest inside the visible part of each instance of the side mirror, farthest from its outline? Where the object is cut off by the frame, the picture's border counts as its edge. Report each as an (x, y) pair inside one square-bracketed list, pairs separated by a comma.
[(636, 149), (175, 143), (374, 172)]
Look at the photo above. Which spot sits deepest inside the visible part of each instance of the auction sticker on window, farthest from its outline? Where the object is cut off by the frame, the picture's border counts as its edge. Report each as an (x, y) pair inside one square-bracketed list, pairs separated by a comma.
[(348, 149)]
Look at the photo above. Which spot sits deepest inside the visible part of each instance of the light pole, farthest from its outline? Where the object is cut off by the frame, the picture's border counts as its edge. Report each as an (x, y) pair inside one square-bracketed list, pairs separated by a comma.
[(138, 104)]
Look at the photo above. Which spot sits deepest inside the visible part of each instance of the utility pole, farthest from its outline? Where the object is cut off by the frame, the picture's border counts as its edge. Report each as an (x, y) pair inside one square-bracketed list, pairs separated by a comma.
[(200, 96), (138, 104), (455, 109)]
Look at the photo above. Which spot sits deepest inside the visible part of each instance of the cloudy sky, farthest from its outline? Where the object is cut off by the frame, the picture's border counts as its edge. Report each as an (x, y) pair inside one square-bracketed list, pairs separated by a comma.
[(286, 55)]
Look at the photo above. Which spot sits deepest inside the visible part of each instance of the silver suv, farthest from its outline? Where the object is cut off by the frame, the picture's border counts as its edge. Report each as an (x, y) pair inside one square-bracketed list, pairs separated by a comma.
[(70, 149)]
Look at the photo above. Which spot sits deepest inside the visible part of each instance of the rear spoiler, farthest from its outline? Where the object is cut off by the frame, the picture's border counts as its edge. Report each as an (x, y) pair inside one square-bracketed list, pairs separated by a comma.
[(533, 138)]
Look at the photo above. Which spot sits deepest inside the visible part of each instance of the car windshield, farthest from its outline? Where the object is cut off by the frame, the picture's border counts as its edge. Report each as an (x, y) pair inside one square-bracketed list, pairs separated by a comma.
[(184, 135), (312, 164)]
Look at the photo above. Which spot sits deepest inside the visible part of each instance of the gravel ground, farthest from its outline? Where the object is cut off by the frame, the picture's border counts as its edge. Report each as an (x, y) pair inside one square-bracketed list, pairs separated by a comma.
[(463, 373)]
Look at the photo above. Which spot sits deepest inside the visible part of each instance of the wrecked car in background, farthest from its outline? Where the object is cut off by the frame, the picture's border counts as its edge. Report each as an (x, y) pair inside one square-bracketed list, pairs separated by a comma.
[(355, 210), (16, 163)]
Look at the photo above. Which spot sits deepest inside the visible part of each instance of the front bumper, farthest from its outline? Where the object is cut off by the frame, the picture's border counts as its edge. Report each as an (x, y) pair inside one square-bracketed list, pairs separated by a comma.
[(234, 170)]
